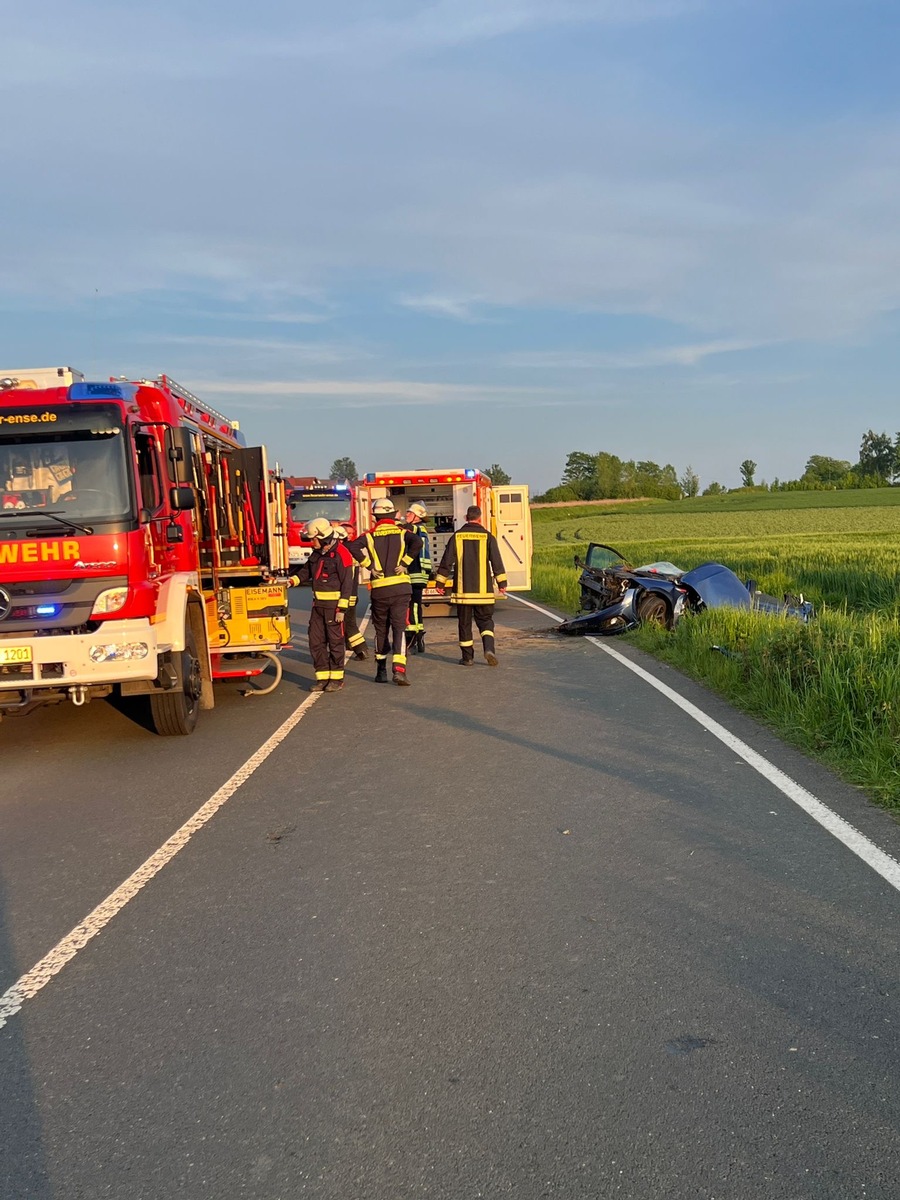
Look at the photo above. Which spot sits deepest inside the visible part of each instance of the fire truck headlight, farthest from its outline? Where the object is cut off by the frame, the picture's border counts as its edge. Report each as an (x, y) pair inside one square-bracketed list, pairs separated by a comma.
[(119, 651), (110, 601)]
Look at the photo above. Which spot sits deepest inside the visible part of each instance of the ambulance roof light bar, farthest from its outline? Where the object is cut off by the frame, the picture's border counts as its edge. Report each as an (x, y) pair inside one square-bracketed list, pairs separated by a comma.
[(453, 475)]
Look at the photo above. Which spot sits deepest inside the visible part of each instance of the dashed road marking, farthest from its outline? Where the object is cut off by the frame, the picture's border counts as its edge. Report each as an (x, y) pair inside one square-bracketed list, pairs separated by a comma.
[(876, 858)]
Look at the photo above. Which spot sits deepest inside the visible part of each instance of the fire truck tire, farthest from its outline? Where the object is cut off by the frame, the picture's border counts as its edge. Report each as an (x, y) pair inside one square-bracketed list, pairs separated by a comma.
[(175, 713)]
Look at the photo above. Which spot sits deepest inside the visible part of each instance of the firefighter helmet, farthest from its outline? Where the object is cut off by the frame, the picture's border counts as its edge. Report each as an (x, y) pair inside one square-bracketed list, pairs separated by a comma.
[(419, 509), (383, 507), (340, 532), (319, 527)]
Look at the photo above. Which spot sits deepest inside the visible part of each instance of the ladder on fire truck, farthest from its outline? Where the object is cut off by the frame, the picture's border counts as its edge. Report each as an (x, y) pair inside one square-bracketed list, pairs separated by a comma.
[(190, 401)]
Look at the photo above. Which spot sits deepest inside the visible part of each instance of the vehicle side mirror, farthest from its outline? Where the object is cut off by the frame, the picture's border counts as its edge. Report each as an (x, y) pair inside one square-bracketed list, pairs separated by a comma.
[(182, 498), (579, 561), (179, 449)]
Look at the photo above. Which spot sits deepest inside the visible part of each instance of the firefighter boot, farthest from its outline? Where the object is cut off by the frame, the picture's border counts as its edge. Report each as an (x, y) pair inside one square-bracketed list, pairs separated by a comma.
[(319, 686), (400, 677), (381, 672), (334, 685), (412, 643), (420, 641)]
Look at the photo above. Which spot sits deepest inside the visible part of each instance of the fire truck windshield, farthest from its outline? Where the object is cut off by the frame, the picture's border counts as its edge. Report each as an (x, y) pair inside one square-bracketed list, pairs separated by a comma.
[(334, 508), (70, 459)]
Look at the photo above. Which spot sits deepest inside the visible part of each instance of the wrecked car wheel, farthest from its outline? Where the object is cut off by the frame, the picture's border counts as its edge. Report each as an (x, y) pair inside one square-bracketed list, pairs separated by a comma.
[(653, 609)]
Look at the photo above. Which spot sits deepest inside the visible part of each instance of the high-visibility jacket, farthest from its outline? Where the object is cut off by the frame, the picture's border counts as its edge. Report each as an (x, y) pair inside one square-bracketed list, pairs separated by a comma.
[(330, 572), (421, 567), (387, 551), (472, 563)]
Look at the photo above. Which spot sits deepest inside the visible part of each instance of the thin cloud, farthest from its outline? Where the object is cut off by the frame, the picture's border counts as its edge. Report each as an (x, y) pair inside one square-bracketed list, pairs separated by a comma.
[(453, 23), (165, 42), (453, 307), (364, 393), (681, 356), (321, 353)]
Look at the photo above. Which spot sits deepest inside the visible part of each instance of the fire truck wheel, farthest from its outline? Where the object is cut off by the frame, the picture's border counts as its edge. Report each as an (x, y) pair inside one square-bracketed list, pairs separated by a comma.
[(175, 713)]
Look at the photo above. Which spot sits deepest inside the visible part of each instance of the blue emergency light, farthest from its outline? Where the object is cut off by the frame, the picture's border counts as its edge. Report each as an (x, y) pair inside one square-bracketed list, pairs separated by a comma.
[(102, 391), (471, 472), (47, 610)]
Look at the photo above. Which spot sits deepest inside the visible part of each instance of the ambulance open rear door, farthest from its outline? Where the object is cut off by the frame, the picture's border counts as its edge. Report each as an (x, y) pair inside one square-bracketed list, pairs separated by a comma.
[(513, 531)]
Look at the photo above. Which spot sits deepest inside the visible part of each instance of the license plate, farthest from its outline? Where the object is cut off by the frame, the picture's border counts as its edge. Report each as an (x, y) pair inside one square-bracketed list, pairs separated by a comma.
[(14, 654), (433, 592)]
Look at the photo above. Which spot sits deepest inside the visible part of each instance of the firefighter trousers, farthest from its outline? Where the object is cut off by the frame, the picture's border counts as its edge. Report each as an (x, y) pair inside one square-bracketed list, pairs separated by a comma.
[(484, 620), (353, 639), (326, 642), (416, 622), (389, 615)]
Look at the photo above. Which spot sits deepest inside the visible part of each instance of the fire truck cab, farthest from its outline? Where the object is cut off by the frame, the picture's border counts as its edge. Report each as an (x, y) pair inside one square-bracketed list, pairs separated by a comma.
[(447, 493), (336, 501), (143, 546)]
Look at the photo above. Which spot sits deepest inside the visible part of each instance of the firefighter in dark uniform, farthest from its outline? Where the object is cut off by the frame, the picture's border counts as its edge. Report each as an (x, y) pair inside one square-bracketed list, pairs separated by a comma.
[(387, 551), (471, 563), (419, 574), (353, 639), (329, 570)]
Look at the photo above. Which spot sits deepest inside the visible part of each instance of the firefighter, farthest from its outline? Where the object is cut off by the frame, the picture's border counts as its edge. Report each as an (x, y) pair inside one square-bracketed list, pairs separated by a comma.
[(387, 550), (329, 570), (470, 560), (353, 639), (419, 573)]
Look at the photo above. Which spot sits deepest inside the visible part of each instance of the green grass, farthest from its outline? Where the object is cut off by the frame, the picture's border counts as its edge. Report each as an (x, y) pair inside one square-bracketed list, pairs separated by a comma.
[(832, 687)]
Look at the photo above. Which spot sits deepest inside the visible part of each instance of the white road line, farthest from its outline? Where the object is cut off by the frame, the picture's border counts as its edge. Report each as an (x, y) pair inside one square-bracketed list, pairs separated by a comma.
[(95, 922), (886, 866)]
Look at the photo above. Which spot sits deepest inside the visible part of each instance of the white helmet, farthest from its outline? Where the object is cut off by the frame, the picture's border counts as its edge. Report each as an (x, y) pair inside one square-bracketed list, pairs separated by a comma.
[(321, 528), (340, 532), (383, 507), (418, 508)]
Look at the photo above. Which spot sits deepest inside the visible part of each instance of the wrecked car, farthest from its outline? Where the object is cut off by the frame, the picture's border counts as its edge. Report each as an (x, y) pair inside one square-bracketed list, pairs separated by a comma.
[(617, 597)]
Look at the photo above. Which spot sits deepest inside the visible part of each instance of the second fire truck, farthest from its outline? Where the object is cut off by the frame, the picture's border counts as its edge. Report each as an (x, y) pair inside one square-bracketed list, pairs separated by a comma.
[(336, 501)]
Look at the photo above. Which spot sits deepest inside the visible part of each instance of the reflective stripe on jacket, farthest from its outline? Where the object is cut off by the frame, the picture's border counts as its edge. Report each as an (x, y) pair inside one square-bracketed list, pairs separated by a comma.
[(421, 566), (387, 550), (330, 572), (473, 563)]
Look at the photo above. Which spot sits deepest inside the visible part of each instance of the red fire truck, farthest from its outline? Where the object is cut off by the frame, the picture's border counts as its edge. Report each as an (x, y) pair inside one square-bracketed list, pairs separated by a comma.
[(447, 493), (143, 546), (334, 500)]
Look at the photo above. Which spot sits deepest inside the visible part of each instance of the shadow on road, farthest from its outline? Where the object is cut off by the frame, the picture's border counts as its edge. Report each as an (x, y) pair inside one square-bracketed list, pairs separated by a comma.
[(23, 1170), (463, 722)]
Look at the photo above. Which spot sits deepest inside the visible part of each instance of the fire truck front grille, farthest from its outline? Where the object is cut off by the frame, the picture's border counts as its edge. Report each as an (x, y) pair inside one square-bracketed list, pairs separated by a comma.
[(40, 587)]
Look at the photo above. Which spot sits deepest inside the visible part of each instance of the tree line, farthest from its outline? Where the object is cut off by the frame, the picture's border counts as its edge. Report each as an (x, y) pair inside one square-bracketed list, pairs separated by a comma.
[(605, 476)]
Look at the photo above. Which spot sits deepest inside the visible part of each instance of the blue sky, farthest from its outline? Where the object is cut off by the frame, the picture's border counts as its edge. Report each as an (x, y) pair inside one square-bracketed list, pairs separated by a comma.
[(440, 232)]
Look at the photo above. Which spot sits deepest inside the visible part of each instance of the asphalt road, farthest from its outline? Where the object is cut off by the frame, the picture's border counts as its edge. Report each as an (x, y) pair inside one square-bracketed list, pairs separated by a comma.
[(521, 932)]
